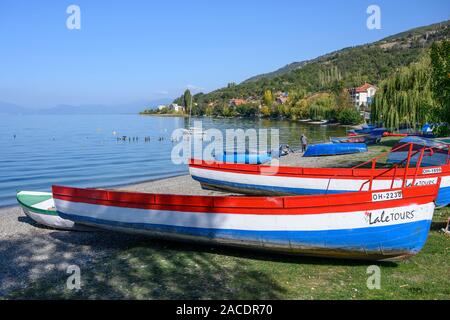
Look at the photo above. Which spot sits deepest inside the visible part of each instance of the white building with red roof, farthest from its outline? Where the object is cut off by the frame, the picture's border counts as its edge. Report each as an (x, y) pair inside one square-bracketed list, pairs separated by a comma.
[(362, 96)]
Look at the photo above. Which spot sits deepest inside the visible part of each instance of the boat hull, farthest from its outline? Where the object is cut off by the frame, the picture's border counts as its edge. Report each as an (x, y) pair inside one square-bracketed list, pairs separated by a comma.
[(367, 139), (40, 207), (250, 179), (245, 158), (369, 229), (333, 149), (374, 131)]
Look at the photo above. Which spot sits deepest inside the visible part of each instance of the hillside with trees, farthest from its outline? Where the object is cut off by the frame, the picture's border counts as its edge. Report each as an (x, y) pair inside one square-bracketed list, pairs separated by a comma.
[(317, 88), (418, 93)]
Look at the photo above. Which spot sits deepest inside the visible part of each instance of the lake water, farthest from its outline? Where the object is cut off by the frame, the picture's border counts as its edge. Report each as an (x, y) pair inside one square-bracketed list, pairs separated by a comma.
[(82, 150)]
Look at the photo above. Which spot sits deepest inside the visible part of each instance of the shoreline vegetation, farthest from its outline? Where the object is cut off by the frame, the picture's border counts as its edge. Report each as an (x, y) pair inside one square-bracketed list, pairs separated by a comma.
[(409, 71), (305, 121), (182, 115), (121, 266), (332, 108)]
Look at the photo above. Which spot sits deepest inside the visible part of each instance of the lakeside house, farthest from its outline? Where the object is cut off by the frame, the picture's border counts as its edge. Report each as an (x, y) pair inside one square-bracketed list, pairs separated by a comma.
[(172, 107), (175, 107), (362, 96), (282, 97), (236, 102)]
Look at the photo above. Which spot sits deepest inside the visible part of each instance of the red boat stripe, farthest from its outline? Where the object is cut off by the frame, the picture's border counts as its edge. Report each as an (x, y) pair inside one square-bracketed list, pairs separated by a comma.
[(346, 202), (341, 173)]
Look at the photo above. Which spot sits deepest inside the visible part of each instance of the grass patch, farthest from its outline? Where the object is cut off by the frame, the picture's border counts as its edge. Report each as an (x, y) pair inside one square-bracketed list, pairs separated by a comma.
[(153, 269)]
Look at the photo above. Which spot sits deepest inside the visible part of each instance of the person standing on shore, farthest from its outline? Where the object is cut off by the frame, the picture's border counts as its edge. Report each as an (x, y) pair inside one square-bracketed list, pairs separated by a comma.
[(304, 142)]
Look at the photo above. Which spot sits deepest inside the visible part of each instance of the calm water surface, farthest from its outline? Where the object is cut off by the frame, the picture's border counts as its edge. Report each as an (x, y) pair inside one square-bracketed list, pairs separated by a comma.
[(82, 150)]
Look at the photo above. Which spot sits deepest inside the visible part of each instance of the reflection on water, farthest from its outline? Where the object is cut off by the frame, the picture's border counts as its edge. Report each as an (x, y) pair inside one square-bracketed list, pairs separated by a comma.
[(84, 150)]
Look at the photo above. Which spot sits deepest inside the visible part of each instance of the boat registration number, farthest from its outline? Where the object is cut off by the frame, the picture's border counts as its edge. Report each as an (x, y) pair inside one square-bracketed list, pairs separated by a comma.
[(389, 195), (432, 170)]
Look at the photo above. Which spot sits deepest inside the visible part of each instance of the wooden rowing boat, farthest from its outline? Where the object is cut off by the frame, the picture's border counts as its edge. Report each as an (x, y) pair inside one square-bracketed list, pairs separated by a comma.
[(378, 225), (40, 207), (279, 180), (364, 138)]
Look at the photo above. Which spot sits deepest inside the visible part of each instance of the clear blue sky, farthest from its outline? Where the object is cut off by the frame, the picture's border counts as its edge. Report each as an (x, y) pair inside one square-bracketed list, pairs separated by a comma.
[(142, 50)]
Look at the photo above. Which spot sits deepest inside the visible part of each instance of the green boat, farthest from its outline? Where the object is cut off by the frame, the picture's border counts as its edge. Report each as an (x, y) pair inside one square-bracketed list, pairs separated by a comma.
[(40, 207)]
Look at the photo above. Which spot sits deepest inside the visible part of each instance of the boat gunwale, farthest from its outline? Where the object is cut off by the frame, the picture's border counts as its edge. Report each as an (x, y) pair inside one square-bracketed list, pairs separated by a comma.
[(275, 205), (341, 173), (34, 209)]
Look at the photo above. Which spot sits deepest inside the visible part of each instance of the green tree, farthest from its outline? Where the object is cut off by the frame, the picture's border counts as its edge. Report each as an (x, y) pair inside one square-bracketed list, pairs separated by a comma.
[(187, 98), (440, 77), (268, 98), (209, 110), (349, 116), (406, 98), (337, 87), (343, 101), (318, 112), (265, 111)]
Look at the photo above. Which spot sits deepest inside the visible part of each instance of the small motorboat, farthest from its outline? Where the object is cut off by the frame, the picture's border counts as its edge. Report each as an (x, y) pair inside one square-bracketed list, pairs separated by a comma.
[(389, 224), (333, 149), (319, 122), (40, 207)]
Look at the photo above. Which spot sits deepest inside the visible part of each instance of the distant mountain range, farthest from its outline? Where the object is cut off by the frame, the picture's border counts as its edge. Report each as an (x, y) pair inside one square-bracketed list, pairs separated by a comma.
[(129, 108), (11, 108)]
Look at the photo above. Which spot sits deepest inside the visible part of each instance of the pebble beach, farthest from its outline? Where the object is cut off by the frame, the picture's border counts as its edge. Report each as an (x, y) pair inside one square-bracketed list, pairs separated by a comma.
[(31, 252)]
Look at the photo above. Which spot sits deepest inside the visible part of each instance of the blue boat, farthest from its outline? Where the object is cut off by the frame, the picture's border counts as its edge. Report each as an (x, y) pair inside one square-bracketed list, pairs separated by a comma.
[(439, 156), (333, 149), (246, 158), (364, 138), (370, 129)]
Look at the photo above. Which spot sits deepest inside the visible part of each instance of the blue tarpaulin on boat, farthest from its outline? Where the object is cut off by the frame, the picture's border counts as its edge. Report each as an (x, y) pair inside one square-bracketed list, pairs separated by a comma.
[(247, 158), (332, 149), (438, 157)]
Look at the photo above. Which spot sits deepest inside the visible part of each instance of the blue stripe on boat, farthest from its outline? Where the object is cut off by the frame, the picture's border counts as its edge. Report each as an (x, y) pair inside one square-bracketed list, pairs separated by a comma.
[(443, 198), (407, 237), (275, 189)]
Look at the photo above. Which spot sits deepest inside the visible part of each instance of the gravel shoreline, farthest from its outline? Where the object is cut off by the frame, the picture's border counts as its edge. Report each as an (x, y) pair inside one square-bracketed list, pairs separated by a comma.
[(29, 252)]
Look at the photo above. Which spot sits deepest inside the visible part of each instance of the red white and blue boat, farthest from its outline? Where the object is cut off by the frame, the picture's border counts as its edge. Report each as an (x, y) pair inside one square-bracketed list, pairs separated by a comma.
[(278, 180), (379, 225)]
